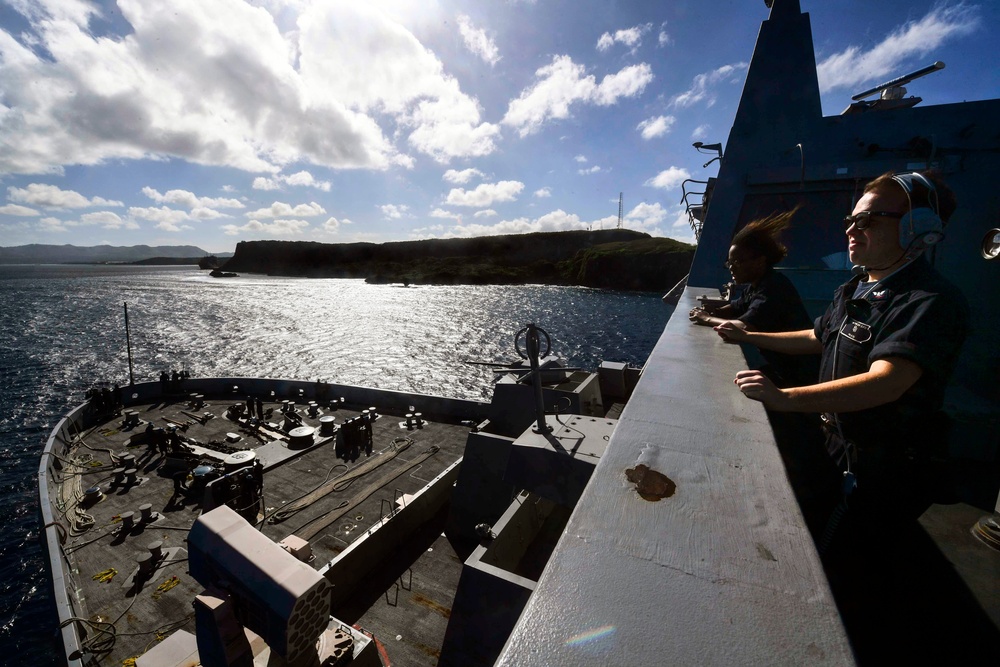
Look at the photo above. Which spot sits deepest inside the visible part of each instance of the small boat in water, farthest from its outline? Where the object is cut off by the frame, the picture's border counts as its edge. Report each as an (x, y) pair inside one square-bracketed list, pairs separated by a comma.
[(219, 273)]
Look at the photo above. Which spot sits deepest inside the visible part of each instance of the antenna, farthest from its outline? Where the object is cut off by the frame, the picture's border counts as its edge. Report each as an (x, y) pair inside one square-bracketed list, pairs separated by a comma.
[(620, 210), (900, 81)]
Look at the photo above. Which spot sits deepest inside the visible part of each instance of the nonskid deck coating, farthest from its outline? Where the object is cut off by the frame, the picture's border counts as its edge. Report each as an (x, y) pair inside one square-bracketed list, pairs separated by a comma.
[(416, 599)]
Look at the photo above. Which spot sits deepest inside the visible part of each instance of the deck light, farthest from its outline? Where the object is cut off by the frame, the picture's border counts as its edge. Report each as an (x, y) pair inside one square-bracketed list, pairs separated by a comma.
[(991, 244), (708, 148)]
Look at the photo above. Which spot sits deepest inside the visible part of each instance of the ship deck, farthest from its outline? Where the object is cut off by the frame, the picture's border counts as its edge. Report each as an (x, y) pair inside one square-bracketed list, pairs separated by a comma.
[(404, 602)]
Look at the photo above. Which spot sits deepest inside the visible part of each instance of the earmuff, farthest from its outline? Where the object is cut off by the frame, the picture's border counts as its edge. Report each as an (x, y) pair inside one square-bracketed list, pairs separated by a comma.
[(922, 227)]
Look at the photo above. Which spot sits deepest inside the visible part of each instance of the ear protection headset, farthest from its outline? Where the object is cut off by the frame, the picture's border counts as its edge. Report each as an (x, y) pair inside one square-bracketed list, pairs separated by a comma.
[(922, 227)]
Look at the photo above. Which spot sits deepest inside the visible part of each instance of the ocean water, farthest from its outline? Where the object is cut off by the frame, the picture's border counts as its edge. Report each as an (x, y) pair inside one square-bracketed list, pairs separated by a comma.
[(63, 330)]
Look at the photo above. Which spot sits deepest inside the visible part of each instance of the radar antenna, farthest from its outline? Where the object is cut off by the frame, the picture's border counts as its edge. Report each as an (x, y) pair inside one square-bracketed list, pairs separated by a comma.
[(892, 93), (620, 210), (898, 82)]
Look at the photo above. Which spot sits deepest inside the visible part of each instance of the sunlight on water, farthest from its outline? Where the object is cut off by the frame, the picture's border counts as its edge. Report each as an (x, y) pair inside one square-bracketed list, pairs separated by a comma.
[(63, 330)]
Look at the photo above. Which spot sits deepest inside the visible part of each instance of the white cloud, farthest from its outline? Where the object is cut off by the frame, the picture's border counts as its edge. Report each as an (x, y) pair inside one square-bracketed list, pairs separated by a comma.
[(430, 231), (107, 220), (298, 179), (656, 126), (305, 179), (701, 131), (591, 170), (356, 55), (487, 213), (580, 158), (276, 228), (663, 39), (168, 226), (261, 183), (203, 213), (680, 228), (447, 215), (226, 83), (103, 219), (646, 217), (553, 221), (213, 83), (279, 209), (393, 211), (189, 199), (669, 179), (562, 84), (853, 66), (702, 87), (461, 177), (485, 194), (52, 225), (477, 41), (332, 225), (51, 196), (447, 128), (630, 37), (19, 211), (626, 83), (543, 192), (164, 217)]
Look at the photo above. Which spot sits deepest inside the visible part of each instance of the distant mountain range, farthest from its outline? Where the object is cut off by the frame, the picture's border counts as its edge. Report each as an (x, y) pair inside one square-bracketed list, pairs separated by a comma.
[(70, 254)]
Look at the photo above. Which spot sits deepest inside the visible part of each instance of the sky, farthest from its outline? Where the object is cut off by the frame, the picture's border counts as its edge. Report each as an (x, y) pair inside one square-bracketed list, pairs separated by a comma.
[(210, 122)]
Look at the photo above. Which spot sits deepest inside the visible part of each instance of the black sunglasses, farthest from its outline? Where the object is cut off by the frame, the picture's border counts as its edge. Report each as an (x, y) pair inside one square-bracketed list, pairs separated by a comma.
[(863, 220)]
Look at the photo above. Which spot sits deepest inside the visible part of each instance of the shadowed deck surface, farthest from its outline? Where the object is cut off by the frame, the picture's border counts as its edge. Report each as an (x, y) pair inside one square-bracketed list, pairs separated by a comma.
[(410, 596)]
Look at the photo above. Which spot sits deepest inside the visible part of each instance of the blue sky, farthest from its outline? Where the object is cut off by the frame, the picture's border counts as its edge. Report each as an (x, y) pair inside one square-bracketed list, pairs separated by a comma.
[(209, 122)]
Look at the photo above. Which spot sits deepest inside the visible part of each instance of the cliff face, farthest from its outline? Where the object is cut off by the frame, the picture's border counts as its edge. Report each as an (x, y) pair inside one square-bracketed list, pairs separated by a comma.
[(616, 259), (646, 264)]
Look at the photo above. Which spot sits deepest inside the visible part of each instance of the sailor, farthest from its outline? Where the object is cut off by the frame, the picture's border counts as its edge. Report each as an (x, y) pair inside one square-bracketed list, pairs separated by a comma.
[(889, 342), (769, 302)]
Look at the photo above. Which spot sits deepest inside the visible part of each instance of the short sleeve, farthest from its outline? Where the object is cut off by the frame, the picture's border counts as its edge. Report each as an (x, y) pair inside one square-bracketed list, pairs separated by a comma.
[(928, 330), (776, 306)]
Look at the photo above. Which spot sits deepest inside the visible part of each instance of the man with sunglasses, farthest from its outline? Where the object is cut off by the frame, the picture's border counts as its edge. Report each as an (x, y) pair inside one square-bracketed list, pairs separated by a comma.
[(889, 342)]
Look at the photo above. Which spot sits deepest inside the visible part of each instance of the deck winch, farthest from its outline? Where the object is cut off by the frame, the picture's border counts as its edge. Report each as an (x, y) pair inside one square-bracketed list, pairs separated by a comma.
[(239, 485)]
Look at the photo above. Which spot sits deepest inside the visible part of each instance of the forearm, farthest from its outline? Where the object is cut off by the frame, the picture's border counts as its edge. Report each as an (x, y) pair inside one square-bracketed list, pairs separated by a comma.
[(884, 382), (787, 342), (714, 321), (724, 312)]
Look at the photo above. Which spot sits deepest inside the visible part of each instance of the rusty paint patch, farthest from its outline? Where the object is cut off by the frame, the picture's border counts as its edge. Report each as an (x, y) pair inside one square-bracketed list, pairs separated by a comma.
[(764, 552), (815, 651), (650, 484), (429, 650), (431, 604)]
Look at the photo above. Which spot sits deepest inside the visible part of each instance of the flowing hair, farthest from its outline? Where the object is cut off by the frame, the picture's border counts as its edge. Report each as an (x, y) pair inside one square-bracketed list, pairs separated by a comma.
[(760, 236)]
